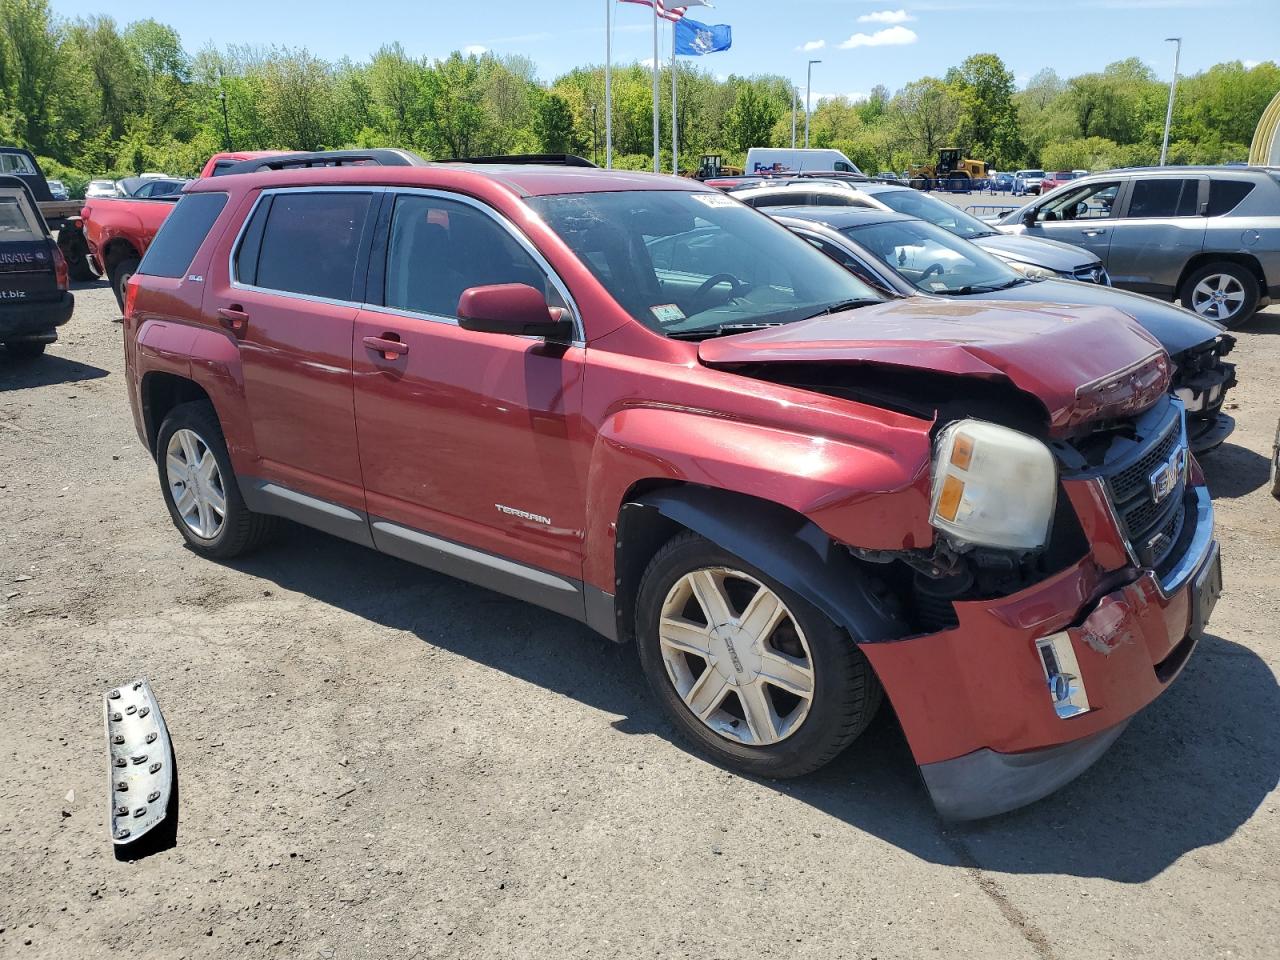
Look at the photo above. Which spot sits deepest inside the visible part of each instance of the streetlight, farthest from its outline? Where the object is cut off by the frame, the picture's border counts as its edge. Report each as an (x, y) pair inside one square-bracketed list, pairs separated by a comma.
[(1173, 85), (808, 94), (595, 137), (226, 124), (795, 99)]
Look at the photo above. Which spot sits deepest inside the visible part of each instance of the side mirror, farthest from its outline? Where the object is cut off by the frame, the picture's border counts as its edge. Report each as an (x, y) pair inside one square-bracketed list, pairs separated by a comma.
[(1029, 217), (514, 309)]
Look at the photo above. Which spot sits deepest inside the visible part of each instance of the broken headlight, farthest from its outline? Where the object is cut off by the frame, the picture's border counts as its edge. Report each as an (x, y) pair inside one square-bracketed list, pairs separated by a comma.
[(993, 487)]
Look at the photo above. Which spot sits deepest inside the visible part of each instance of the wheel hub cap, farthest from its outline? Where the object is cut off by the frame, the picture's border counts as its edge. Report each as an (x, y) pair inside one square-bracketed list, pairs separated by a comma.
[(736, 656), (195, 484)]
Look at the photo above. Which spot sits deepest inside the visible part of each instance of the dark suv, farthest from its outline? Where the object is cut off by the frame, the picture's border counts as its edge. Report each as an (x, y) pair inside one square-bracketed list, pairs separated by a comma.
[(34, 299), (635, 401), (1207, 236)]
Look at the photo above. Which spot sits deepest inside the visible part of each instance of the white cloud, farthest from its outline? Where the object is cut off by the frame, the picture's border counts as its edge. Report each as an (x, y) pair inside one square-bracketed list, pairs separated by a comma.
[(475, 50), (886, 16), (855, 97), (889, 37), (1250, 64), (811, 45)]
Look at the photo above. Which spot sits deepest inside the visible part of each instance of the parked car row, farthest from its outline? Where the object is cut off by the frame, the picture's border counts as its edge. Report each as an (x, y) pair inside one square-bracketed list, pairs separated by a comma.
[(800, 477)]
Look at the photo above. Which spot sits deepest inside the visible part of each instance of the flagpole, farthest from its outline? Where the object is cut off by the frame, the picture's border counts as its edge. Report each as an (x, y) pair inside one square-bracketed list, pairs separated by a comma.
[(657, 118), (675, 131), (608, 84)]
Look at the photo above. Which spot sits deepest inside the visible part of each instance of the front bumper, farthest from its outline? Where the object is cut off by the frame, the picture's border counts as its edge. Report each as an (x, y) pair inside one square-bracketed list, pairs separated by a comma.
[(35, 320), (973, 701)]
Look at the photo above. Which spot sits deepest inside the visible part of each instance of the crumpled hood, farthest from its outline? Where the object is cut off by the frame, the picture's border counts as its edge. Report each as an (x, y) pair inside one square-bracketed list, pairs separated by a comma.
[(1176, 328), (1039, 251), (1050, 352)]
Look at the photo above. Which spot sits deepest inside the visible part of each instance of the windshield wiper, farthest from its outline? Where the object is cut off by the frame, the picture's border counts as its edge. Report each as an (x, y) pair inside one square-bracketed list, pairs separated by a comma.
[(985, 288), (844, 305), (724, 330)]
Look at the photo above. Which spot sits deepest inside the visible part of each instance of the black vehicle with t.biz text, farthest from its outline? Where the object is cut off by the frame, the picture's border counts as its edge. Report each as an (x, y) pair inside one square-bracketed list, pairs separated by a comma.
[(34, 299)]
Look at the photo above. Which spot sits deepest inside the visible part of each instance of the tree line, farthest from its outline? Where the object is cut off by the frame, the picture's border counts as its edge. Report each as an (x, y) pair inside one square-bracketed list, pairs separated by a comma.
[(93, 98)]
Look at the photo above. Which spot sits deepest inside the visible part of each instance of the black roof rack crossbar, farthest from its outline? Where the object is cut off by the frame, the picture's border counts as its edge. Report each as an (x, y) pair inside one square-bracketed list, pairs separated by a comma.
[(379, 157), (555, 159)]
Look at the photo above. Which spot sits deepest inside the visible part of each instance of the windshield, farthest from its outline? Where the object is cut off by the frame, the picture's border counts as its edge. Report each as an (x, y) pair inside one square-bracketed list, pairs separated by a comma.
[(933, 260), (949, 218), (686, 263), (1031, 173)]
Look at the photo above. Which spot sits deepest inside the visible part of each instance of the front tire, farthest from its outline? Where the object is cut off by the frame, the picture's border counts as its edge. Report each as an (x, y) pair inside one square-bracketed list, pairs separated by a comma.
[(750, 672), (120, 274), (200, 488), (1224, 292)]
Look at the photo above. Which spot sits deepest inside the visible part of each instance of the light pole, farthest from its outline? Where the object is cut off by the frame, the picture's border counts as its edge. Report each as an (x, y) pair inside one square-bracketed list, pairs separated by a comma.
[(1173, 86), (595, 138), (808, 95)]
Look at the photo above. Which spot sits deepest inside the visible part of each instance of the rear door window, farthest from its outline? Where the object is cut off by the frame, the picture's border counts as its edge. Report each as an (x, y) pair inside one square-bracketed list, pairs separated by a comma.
[(1164, 197), (181, 234), (305, 243), (1225, 195)]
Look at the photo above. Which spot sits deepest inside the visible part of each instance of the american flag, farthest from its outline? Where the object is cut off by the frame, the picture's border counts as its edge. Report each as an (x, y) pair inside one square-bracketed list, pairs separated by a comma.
[(669, 13)]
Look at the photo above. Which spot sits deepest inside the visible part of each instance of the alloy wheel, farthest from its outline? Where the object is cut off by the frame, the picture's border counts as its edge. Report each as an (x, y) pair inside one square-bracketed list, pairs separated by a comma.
[(195, 484), (1218, 296), (736, 656)]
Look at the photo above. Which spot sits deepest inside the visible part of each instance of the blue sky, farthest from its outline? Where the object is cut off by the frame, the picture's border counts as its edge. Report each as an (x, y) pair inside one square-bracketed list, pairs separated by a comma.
[(861, 43)]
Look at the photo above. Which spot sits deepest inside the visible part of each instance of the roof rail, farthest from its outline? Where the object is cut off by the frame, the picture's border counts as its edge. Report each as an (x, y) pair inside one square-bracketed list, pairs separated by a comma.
[(379, 157), (555, 159)]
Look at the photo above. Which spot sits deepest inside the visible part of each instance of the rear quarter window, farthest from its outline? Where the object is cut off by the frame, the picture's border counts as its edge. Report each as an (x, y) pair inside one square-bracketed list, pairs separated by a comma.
[(181, 234), (1225, 195)]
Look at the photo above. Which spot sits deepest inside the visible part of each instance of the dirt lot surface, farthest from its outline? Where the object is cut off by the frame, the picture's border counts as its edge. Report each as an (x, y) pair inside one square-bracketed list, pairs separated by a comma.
[(377, 761)]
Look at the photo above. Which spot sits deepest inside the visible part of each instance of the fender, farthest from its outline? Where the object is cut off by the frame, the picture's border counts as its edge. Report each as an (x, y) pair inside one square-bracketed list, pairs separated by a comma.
[(787, 547), (211, 359), (870, 490)]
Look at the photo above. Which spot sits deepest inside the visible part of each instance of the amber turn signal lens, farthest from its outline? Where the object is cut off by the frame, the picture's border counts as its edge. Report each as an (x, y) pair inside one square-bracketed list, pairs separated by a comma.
[(949, 501), (962, 451)]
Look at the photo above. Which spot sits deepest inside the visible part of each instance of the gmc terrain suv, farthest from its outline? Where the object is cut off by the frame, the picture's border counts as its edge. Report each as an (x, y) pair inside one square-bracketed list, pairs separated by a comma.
[(635, 401)]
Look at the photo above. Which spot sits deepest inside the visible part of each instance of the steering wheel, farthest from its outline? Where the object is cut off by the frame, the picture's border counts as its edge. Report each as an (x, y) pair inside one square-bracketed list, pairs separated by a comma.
[(714, 281), (931, 269)]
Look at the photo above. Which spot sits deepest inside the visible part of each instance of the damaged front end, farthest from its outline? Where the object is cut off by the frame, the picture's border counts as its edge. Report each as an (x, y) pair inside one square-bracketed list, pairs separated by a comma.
[(1201, 380)]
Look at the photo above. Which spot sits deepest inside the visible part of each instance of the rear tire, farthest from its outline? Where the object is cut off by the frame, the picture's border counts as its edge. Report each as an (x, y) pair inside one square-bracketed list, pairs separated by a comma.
[(1224, 292), (730, 685), (120, 274), (25, 349), (207, 509)]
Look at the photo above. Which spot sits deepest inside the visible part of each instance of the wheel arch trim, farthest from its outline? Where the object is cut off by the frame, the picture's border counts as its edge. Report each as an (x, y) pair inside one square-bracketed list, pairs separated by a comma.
[(783, 544)]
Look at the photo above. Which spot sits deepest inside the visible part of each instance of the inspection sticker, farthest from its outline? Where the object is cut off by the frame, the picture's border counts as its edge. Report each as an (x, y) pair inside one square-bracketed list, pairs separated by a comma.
[(667, 312)]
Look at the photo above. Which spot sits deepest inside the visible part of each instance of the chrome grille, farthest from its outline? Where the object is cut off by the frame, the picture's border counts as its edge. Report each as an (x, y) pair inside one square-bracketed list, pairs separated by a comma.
[(1152, 525), (1090, 274)]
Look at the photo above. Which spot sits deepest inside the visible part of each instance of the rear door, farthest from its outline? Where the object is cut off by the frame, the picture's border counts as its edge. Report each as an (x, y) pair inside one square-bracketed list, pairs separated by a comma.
[(290, 303), (26, 255), (1159, 229)]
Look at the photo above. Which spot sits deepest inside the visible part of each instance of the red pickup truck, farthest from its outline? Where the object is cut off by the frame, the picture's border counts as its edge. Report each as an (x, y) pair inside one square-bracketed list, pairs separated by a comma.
[(635, 401), (111, 234)]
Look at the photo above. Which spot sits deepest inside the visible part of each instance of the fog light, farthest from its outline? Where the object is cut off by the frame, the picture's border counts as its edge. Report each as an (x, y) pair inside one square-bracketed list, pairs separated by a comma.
[(1062, 674)]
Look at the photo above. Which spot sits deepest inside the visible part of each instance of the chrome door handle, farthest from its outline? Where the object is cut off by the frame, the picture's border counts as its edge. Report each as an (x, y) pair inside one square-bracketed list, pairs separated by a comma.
[(1093, 233)]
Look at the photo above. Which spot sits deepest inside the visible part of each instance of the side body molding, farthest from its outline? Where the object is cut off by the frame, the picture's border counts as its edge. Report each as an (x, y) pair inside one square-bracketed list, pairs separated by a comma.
[(786, 546)]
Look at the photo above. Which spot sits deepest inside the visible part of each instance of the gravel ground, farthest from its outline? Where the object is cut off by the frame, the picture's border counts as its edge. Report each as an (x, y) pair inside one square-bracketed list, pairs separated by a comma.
[(378, 761)]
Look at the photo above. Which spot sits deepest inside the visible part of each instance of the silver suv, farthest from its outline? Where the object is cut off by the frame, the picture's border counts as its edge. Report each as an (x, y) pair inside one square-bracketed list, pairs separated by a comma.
[(1208, 236)]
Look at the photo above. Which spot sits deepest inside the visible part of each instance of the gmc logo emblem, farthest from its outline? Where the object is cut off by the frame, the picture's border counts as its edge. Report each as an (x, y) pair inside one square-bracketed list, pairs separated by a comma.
[(1164, 478)]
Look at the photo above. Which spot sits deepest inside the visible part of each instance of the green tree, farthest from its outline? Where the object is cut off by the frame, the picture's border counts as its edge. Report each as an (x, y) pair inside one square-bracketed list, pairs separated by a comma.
[(555, 127), (752, 117), (988, 123), (926, 113)]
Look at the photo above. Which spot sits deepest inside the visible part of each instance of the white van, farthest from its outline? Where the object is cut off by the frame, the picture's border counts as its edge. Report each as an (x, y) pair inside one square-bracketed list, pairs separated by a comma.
[(786, 160)]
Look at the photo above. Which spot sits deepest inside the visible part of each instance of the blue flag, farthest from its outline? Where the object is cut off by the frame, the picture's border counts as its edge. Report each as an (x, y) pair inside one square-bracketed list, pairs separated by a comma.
[(693, 39)]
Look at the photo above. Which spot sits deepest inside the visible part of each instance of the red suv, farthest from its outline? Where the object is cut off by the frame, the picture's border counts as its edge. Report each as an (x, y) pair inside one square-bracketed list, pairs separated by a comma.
[(640, 403)]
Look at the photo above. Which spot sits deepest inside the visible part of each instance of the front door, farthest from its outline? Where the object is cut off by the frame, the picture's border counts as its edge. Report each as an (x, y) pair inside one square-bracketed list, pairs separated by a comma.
[(1083, 216), (467, 438), (291, 307)]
